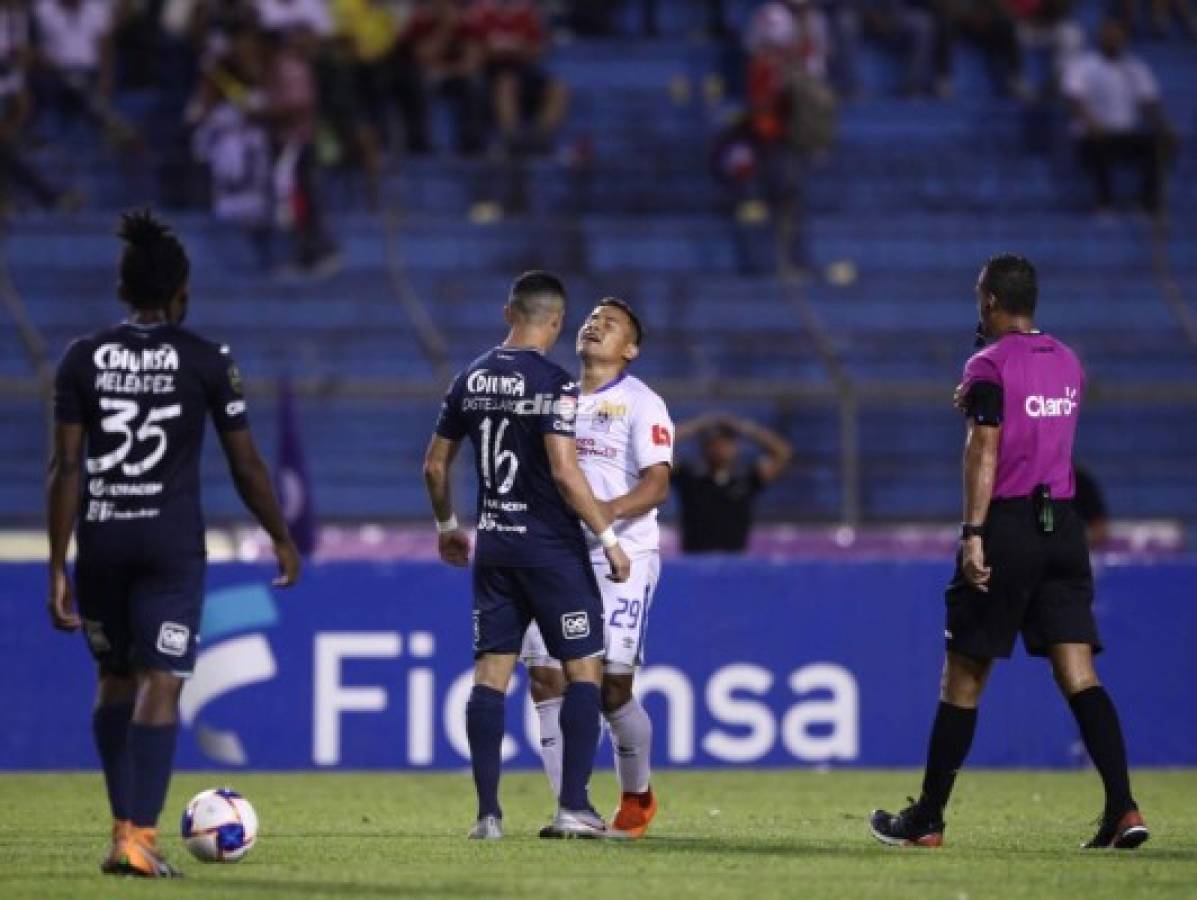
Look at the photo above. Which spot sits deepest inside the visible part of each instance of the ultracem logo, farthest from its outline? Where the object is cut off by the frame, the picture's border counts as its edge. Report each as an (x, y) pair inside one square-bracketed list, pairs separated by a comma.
[(229, 665)]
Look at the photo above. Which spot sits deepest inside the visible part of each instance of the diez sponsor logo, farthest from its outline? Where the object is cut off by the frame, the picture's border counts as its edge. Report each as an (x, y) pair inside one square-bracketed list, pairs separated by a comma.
[(575, 626), (1038, 406), (116, 356), (484, 382), (661, 436)]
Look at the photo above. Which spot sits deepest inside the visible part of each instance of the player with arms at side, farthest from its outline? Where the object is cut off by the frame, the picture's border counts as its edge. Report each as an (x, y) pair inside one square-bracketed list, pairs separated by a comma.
[(1023, 564), (625, 449), (531, 563), (129, 409)]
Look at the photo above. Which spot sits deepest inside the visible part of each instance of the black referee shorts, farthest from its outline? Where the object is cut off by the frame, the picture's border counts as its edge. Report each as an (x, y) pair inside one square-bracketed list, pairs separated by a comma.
[(1041, 585)]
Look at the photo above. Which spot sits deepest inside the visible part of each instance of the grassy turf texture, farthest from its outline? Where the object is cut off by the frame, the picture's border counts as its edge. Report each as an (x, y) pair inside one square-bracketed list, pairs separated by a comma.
[(719, 834)]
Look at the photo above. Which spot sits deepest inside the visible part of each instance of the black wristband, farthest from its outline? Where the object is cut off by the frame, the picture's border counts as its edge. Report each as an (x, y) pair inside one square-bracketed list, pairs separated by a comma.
[(971, 531)]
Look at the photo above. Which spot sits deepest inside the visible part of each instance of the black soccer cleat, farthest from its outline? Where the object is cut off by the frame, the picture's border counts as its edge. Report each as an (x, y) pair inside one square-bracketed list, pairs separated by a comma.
[(1123, 832), (909, 828)]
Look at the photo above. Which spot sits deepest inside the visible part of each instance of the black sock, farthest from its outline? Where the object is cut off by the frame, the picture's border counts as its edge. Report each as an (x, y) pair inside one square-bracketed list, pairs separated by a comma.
[(110, 727), (581, 717), (951, 737), (1102, 734), (485, 714), (151, 756)]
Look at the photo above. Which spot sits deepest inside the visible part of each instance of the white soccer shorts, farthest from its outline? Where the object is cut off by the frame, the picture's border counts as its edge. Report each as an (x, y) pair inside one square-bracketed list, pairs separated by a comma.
[(625, 617)]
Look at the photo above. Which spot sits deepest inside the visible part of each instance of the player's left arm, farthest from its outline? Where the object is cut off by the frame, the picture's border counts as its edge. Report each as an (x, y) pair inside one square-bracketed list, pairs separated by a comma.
[(652, 438), (650, 492), (62, 509)]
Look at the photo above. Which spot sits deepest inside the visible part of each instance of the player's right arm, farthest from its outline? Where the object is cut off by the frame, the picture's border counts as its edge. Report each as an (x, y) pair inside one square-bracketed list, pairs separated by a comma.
[(452, 542), (62, 508), (63, 481), (562, 451)]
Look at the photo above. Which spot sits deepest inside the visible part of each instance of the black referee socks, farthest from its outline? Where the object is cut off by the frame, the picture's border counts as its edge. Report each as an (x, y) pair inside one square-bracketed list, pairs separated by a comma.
[(1102, 734), (951, 738)]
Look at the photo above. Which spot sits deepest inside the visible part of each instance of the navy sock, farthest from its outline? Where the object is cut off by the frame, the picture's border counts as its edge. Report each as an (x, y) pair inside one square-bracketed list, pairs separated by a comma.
[(110, 728), (1102, 733), (951, 738), (581, 716), (151, 756), (485, 715)]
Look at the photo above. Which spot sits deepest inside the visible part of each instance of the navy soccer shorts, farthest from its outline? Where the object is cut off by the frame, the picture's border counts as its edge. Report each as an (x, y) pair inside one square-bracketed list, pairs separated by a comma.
[(564, 600), (141, 614)]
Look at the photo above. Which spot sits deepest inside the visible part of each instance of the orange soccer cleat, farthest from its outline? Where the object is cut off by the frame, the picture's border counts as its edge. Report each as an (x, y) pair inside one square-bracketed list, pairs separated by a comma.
[(120, 833), (635, 812), (141, 858)]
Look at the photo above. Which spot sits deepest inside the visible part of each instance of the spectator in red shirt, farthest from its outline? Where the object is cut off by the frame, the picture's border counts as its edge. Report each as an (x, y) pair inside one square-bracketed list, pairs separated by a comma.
[(513, 34), (441, 53)]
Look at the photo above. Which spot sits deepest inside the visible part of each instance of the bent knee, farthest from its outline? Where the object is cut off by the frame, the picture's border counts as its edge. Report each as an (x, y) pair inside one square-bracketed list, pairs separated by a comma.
[(1073, 683), (545, 683), (615, 697)]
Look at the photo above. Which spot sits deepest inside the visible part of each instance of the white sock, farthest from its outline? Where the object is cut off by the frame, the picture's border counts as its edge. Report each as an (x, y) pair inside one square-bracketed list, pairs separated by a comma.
[(548, 712), (632, 737)]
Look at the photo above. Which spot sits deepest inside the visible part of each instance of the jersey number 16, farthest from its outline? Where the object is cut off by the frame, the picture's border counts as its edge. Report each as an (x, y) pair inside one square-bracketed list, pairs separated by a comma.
[(492, 469)]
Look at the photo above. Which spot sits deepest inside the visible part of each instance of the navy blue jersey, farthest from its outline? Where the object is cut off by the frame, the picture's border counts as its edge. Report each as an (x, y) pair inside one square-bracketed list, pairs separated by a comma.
[(142, 394), (507, 401)]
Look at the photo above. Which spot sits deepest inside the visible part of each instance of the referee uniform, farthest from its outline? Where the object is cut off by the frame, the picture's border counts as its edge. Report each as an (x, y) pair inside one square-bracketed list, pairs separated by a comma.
[(1031, 385), (1025, 568)]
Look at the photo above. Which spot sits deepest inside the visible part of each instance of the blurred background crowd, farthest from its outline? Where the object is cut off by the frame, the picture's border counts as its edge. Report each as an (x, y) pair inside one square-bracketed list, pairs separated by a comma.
[(796, 194), (249, 99)]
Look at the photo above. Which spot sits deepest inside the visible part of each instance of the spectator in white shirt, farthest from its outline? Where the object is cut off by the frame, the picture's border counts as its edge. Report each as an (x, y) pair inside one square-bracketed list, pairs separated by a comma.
[(76, 64), (17, 173), (1117, 117), (76, 41), (312, 16)]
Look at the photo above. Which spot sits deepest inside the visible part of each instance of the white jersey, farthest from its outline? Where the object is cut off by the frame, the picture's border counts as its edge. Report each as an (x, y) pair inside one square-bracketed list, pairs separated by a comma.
[(623, 429)]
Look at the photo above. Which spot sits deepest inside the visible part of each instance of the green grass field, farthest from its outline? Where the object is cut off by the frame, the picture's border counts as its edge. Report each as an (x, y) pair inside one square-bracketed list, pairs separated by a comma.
[(719, 834)]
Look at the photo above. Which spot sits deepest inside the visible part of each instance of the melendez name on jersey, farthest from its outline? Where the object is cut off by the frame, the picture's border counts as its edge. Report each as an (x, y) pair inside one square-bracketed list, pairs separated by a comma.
[(623, 429), (507, 401)]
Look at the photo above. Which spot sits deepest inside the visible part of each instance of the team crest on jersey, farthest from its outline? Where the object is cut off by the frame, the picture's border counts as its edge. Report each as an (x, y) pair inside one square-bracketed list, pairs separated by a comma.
[(575, 625), (235, 379), (173, 638), (566, 407)]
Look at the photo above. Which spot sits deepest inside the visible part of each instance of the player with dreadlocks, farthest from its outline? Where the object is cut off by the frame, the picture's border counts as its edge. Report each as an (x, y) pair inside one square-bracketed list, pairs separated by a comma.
[(129, 410)]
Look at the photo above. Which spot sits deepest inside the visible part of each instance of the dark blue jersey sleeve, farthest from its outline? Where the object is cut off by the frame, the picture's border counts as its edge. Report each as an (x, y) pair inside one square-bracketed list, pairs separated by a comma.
[(559, 414), (224, 391), (450, 424), (69, 393)]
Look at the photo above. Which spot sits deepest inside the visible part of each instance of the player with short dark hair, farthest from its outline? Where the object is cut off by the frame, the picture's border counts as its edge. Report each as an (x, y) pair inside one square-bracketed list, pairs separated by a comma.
[(1023, 563), (625, 448), (531, 562), (129, 409)]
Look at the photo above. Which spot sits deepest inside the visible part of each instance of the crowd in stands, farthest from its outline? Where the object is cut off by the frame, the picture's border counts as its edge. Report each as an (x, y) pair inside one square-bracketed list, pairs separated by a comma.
[(263, 93), (802, 66)]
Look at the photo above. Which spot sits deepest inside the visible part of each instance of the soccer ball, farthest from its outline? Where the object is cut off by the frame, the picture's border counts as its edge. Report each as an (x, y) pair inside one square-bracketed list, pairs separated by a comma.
[(219, 826)]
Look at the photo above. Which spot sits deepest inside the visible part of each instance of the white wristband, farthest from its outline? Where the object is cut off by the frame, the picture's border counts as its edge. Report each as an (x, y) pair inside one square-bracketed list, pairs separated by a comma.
[(450, 524), (608, 538)]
